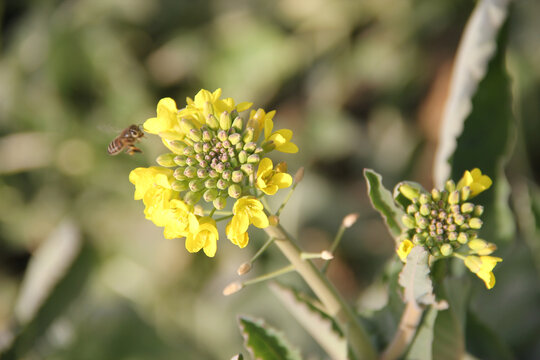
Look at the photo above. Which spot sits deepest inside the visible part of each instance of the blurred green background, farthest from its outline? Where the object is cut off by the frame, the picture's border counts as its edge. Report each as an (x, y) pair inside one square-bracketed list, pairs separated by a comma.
[(361, 83)]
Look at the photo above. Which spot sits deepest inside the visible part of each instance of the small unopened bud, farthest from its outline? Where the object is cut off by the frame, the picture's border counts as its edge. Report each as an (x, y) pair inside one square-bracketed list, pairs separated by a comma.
[(268, 145), (463, 238), (453, 197), (250, 147), (475, 223), (166, 160), (220, 203), (243, 269), (180, 160), (206, 136), (188, 150), (235, 191), (350, 220), (177, 146), (237, 124), (232, 288), (242, 156), (210, 183), (248, 135), (273, 220), (248, 169), (435, 195), (196, 185), (450, 186), (326, 255), (253, 159), (194, 134), (202, 173), (409, 192), (186, 126), (226, 175), (299, 175), (222, 184), (222, 135), (425, 209), (478, 210), (235, 138), (179, 174), (281, 167), (446, 249), (210, 195), (237, 176), (423, 198), (465, 193), (411, 209), (220, 167), (467, 208), (408, 221), (190, 171), (191, 198), (198, 147), (213, 173), (212, 122), (225, 121), (178, 185), (198, 210)]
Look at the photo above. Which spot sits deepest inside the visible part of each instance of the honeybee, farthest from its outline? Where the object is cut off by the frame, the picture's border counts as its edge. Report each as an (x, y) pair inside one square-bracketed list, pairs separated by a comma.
[(126, 140)]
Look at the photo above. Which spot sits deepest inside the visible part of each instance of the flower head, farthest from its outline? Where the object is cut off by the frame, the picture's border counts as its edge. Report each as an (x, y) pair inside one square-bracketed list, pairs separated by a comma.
[(483, 266), (215, 155), (446, 223)]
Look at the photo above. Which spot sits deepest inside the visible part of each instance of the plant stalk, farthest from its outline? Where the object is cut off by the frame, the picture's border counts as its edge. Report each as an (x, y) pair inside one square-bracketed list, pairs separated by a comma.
[(407, 328), (335, 306)]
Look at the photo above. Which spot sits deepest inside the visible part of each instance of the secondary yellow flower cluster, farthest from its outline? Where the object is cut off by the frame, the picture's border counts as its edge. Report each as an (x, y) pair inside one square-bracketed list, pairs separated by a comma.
[(214, 155), (445, 223)]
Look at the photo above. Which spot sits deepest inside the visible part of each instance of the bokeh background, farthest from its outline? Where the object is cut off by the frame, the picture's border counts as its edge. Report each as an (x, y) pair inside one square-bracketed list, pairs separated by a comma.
[(361, 83)]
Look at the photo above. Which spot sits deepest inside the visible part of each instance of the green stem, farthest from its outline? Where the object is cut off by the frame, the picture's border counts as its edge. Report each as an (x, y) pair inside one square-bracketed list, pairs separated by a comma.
[(334, 246), (335, 306), (286, 199), (407, 328), (262, 249), (271, 275)]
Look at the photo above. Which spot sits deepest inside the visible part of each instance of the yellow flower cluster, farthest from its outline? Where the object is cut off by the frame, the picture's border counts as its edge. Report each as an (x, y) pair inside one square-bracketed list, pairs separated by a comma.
[(215, 155), (444, 221)]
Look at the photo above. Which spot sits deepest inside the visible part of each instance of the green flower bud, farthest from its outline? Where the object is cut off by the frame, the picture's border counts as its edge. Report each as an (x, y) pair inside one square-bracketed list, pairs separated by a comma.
[(409, 192), (191, 198), (250, 147), (188, 150), (206, 136), (253, 159), (235, 191), (210, 183), (212, 122), (242, 156), (196, 185), (235, 138), (248, 169), (450, 186), (268, 146), (180, 160), (226, 175), (178, 185), (467, 208), (190, 171), (259, 150), (454, 209), (452, 236), (198, 147), (475, 223), (422, 223), (179, 174), (424, 198), (222, 135), (237, 176), (453, 197), (220, 202), (191, 161), (446, 249), (237, 124), (220, 167), (425, 209), (435, 251), (177, 146), (166, 160), (435, 195), (225, 121), (463, 238), (213, 173), (194, 134), (202, 173), (408, 221), (430, 241), (222, 184), (411, 209), (417, 239), (478, 210), (210, 195)]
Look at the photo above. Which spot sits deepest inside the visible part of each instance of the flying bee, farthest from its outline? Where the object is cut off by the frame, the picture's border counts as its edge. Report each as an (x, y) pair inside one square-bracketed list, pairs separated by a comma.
[(126, 140)]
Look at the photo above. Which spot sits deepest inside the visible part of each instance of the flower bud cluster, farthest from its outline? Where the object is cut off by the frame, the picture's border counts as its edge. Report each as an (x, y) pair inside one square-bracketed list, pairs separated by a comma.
[(214, 161), (442, 221)]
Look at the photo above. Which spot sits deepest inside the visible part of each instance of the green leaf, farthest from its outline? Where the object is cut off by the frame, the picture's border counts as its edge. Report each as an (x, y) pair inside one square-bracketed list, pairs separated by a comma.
[(264, 342), (416, 281), (400, 198), (478, 128), (319, 324), (238, 357), (421, 346), (382, 201), (55, 276)]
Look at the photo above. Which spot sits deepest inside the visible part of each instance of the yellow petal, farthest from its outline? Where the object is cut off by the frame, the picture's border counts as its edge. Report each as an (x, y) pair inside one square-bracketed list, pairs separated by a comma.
[(404, 249), (259, 219), (282, 180), (264, 166)]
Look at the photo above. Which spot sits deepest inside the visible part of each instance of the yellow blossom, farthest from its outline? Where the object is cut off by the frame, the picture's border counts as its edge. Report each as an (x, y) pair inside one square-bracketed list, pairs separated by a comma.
[(475, 181), (247, 210), (281, 138), (166, 123), (269, 180), (483, 266), (203, 234), (176, 219), (146, 178), (481, 247), (404, 249)]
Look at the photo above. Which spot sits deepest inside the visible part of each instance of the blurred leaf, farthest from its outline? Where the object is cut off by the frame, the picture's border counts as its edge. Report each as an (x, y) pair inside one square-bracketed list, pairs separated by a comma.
[(382, 201), (449, 342), (421, 347), (238, 357), (477, 45), (320, 325), (264, 342), (56, 275), (483, 342), (478, 128), (415, 278)]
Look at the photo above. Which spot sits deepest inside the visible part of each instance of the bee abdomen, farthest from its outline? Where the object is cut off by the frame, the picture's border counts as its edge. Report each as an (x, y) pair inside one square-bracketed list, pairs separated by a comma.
[(115, 147)]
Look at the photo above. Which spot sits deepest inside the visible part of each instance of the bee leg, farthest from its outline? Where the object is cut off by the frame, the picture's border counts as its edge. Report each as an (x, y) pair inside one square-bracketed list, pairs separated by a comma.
[(133, 149)]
